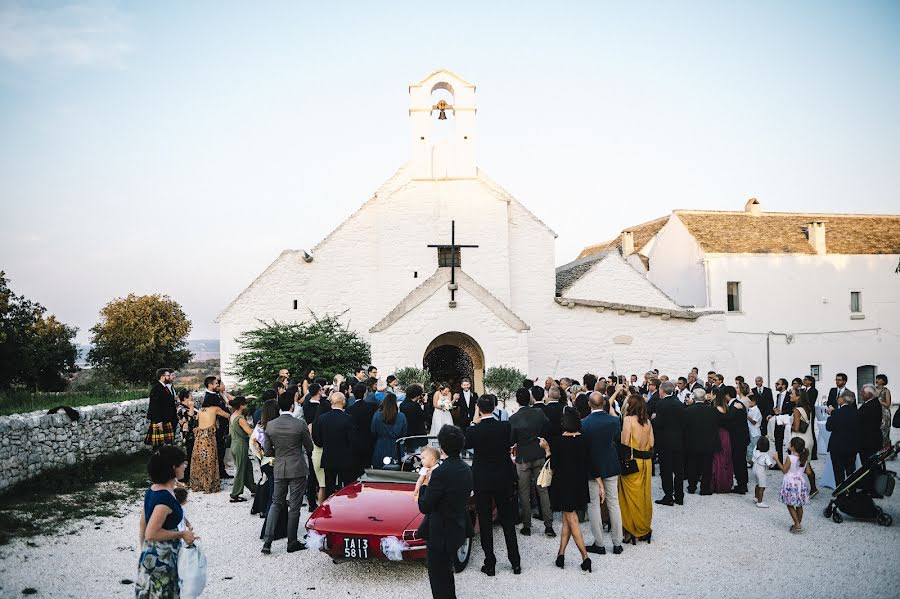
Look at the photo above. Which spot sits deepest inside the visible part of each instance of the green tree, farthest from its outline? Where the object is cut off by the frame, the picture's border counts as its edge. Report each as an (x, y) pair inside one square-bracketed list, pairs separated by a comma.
[(502, 381), (36, 349), (410, 375), (138, 334), (322, 343)]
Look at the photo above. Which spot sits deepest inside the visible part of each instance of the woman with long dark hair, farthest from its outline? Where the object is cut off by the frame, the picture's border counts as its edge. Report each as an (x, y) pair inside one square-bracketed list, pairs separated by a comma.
[(240, 431), (569, 487), (309, 377), (635, 503), (388, 425), (722, 466)]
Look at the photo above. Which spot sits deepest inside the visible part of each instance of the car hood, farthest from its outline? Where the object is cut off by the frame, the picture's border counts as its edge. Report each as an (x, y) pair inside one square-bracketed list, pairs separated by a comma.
[(368, 509)]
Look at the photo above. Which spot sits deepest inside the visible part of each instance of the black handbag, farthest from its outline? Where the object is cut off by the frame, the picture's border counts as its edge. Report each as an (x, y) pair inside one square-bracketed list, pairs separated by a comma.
[(627, 464)]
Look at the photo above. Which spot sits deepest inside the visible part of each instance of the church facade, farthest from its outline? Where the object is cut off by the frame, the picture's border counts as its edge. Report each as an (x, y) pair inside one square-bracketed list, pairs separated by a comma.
[(422, 297)]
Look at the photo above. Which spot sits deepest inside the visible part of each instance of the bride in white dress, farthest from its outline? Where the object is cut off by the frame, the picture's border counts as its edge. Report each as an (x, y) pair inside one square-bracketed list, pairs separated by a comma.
[(443, 403)]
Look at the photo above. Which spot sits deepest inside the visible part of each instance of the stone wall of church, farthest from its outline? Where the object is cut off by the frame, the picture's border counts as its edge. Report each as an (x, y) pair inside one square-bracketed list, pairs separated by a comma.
[(35, 442)]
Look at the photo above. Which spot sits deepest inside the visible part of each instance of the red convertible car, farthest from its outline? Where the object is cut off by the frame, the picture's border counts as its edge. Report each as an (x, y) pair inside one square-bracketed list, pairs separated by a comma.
[(377, 517)]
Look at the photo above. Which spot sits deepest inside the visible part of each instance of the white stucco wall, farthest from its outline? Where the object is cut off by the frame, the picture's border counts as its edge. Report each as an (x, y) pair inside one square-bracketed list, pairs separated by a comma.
[(676, 264), (808, 297), (582, 341)]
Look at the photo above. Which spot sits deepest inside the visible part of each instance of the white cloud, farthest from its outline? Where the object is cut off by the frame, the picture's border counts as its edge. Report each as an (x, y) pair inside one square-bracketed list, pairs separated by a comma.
[(88, 34)]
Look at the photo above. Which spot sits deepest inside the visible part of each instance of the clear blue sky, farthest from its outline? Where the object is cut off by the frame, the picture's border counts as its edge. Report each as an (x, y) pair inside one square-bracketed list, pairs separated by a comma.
[(179, 147)]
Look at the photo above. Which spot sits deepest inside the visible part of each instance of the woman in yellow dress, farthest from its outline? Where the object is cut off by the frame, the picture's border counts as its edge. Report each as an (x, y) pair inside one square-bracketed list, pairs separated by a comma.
[(634, 489)]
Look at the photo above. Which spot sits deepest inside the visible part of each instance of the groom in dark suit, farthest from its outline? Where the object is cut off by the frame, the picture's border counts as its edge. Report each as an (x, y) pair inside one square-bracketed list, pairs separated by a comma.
[(494, 479), (443, 498)]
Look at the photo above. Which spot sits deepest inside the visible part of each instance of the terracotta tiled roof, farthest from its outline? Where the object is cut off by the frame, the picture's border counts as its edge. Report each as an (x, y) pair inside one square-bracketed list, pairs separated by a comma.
[(721, 232), (642, 234), (784, 232)]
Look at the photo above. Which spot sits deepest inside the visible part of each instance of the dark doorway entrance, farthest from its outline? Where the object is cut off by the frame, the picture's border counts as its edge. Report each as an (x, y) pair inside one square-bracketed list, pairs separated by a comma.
[(449, 364)]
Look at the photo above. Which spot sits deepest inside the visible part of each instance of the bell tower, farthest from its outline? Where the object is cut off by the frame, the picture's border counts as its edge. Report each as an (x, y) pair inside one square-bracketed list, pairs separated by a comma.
[(453, 157)]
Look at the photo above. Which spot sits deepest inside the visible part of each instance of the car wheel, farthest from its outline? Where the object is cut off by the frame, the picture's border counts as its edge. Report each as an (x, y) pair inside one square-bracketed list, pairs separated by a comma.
[(461, 559)]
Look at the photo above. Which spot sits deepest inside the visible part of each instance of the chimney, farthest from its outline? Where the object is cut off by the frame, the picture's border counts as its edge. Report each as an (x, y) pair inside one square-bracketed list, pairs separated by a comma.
[(816, 235), (752, 207), (627, 243)]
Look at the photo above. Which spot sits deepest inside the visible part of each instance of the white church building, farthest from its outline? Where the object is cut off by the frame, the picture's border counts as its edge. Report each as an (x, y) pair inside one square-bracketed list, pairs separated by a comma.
[(425, 298), (801, 293)]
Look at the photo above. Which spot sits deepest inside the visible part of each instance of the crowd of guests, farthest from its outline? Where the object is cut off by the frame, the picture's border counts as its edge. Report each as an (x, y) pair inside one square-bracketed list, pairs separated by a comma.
[(585, 448)]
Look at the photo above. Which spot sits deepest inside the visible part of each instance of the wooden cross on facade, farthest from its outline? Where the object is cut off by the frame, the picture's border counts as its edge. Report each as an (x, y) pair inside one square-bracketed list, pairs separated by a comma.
[(455, 258)]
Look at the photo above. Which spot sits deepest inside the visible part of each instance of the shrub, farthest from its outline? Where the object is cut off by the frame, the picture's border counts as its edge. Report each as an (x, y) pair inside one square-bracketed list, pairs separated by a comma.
[(322, 343), (410, 375), (503, 381)]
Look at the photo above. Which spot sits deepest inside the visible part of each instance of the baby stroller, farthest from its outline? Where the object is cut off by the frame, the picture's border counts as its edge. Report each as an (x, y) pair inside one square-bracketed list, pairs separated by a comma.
[(854, 501)]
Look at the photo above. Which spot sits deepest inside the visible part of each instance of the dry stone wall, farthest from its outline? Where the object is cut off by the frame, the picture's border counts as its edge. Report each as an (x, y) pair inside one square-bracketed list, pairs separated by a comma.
[(35, 442)]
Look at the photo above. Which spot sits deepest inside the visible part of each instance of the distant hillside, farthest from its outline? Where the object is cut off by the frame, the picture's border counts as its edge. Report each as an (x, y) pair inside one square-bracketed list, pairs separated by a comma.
[(202, 350)]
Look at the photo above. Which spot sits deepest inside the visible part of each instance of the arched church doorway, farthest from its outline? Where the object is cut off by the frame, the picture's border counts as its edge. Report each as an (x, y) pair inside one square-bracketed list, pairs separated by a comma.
[(453, 356)]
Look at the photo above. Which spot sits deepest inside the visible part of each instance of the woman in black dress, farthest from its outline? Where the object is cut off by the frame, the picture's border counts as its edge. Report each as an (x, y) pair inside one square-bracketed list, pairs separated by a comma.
[(569, 488)]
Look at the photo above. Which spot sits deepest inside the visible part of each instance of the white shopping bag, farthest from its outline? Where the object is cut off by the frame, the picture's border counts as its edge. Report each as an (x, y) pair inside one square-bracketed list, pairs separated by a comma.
[(191, 571)]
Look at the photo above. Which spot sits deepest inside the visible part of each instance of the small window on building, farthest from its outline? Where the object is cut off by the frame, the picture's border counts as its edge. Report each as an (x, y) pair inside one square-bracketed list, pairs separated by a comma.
[(815, 370), (444, 254), (734, 296), (295, 304), (856, 302)]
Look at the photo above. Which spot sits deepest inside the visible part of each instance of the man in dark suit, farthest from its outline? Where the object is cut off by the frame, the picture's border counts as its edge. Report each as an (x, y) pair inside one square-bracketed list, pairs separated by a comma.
[(494, 480), (783, 405), (161, 410), (213, 397), (363, 441), (310, 407), (288, 441), (668, 433), (693, 384), (468, 401), (653, 395), (842, 445), (443, 498), (602, 432), (528, 424), (870, 438), (701, 432), (333, 433), (765, 401), (553, 411), (412, 409), (736, 423), (840, 382)]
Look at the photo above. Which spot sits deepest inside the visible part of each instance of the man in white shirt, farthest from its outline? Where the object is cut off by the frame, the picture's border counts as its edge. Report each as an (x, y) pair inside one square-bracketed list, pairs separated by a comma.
[(682, 390)]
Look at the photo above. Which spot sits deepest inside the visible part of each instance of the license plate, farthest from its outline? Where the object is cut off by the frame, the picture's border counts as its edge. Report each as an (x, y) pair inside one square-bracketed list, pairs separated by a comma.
[(356, 548)]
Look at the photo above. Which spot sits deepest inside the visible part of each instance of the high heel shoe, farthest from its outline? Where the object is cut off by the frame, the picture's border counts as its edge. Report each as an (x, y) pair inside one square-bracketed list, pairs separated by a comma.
[(560, 561), (586, 564), (629, 539), (647, 537)]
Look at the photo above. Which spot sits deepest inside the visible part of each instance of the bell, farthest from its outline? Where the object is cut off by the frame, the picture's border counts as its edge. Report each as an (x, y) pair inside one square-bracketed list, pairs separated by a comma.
[(442, 116)]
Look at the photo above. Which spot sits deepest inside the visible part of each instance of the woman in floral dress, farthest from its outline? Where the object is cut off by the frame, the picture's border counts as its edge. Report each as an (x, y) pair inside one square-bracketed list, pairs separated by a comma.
[(205, 460)]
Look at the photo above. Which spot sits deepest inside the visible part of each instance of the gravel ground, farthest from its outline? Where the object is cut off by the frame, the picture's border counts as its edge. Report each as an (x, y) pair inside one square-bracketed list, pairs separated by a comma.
[(718, 546)]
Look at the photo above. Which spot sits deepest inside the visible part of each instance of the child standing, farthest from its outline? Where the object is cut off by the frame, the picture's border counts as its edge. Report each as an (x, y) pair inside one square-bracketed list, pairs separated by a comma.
[(761, 462), (794, 488), (181, 495), (754, 418)]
